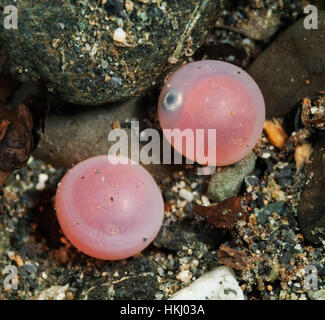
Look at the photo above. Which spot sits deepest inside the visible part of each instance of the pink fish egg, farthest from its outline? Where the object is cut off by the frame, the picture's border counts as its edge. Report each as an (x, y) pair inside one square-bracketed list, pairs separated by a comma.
[(109, 211), (220, 98)]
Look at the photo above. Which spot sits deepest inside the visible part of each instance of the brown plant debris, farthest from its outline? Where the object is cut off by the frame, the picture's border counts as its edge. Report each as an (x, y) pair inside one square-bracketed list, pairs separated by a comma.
[(16, 139), (224, 214), (232, 258)]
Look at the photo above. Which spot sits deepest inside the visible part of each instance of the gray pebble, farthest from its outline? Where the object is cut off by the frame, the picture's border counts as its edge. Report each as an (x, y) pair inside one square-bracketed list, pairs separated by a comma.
[(251, 181), (226, 182)]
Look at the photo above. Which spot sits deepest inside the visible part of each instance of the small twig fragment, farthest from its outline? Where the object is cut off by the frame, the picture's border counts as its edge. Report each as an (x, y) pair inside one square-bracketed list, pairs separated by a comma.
[(232, 258)]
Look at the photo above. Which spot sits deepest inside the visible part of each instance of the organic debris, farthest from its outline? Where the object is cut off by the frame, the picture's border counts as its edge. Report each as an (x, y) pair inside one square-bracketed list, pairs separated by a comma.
[(233, 258), (224, 214), (16, 140), (275, 132)]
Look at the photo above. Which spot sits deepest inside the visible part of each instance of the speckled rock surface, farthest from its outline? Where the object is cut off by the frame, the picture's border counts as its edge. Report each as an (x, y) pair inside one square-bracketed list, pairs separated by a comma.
[(226, 182), (312, 207), (93, 54), (292, 67), (134, 280)]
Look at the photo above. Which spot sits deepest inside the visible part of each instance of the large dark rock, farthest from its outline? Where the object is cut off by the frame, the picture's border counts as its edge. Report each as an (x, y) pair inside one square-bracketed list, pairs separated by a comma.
[(312, 207), (292, 67), (74, 48)]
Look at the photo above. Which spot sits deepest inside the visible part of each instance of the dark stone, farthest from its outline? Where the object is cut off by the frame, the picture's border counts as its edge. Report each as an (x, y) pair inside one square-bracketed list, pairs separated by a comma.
[(188, 207), (286, 258), (251, 181), (264, 214), (189, 235), (269, 165), (70, 44), (284, 177), (289, 236), (284, 182), (284, 70), (262, 245), (320, 269), (176, 237), (311, 214), (260, 200), (284, 173), (292, 221), (30, 268)]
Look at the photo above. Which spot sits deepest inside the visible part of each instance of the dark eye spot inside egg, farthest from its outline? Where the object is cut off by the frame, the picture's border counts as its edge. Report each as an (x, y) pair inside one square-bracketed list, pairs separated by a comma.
[(170, 99), (173, 100)]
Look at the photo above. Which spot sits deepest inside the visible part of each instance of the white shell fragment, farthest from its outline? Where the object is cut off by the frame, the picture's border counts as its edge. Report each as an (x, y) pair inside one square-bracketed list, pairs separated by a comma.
[(53, 293), (119, 35), (186, 195), (218, 284)]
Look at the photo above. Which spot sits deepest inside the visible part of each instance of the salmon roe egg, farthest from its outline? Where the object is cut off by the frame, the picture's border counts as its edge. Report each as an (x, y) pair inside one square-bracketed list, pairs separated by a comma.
[(220, 98), (109, 211)]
